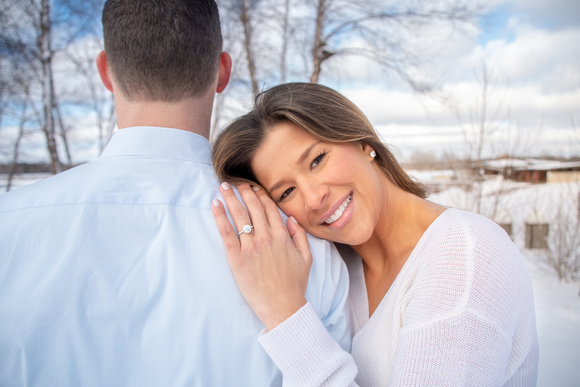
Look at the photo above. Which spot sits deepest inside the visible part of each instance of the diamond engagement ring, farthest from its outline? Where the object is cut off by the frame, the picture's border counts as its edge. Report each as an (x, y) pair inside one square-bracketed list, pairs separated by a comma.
[(246, 229)]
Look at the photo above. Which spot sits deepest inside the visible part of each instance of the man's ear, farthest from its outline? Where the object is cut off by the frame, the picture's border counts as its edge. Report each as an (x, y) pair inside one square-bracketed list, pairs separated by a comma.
[(224, 71), (103, 67)]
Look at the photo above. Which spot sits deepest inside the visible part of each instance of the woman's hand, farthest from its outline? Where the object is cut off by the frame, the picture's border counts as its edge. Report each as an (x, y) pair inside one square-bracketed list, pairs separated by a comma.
[(270, 264)]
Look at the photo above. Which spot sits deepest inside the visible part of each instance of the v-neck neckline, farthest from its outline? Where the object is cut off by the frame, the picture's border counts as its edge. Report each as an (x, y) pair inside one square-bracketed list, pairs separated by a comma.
[(358, 290)]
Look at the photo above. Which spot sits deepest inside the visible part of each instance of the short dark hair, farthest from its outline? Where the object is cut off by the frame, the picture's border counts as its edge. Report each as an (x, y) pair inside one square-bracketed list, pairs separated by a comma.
[(162, 49), (322, 112)]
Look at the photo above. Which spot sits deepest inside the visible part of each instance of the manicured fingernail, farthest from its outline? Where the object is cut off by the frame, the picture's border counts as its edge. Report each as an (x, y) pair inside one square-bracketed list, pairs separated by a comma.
[(294, 219), (216, 203), (255, 188), (226, 185)]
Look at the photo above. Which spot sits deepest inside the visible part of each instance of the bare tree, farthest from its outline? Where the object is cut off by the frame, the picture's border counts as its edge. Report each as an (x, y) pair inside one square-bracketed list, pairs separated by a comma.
[(477, 128), (98, 100), (271, 41), (17, 77), (286, 33), (243, 15), (18, 109), (45, 54), (489, 133), (324, 30), (29, 30), (29, 39), (16, 149)]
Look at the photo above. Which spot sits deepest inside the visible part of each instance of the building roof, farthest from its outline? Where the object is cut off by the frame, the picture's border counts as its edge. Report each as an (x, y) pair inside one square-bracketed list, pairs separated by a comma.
[(531, 164)]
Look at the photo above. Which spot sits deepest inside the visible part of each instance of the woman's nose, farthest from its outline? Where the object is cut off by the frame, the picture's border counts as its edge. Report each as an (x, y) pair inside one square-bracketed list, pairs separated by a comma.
[(314, 196)]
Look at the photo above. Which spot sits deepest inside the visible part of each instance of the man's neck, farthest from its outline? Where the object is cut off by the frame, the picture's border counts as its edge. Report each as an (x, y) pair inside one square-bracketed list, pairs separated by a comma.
[(193, 114)]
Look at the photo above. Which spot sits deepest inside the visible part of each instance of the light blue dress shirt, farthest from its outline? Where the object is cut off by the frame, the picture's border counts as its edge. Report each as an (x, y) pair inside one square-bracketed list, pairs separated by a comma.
[(114, 274)]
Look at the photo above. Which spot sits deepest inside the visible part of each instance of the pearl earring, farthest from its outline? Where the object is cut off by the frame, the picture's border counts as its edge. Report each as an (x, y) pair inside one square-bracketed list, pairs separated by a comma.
[(373, 154)]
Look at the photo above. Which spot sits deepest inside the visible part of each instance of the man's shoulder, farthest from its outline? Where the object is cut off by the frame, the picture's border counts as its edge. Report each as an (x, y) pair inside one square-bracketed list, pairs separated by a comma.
[(43, 192), (323, 249), (325, 258), (319, 245), (120, 180)]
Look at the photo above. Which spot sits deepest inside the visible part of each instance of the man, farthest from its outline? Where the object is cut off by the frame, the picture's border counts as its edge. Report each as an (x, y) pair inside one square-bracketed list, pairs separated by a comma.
[(113, 273)]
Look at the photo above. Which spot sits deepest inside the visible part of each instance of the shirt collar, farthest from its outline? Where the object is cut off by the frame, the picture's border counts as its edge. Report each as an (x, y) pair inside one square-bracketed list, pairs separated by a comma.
[(159, 142)]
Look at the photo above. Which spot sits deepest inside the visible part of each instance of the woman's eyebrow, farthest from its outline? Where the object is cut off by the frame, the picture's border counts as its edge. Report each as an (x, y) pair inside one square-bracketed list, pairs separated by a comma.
[(307, 152)]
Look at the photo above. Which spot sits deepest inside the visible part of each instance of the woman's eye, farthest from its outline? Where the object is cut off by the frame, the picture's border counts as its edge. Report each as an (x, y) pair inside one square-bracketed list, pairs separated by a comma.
[(317, 160), (286, 193)]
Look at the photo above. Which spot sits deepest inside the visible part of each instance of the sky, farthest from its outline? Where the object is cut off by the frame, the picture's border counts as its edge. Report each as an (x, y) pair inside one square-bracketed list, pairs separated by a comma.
[(531, 50)]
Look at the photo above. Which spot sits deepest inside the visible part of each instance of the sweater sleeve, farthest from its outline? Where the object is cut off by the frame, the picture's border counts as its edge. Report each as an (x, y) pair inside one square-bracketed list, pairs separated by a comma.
[(306, 353)]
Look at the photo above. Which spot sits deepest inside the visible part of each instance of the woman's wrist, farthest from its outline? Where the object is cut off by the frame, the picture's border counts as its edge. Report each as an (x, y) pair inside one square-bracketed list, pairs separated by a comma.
[(282, 312)]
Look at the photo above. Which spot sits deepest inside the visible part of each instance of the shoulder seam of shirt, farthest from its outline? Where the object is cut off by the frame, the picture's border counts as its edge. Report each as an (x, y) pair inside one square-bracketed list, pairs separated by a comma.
[(6, 211), (189, 160)]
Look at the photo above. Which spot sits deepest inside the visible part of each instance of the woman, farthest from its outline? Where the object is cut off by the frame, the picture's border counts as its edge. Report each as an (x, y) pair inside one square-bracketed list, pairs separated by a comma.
[(440, 296)]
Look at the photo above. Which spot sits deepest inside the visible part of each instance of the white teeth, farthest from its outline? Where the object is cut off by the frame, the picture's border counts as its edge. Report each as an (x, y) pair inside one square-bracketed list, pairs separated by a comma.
[(339, 211)]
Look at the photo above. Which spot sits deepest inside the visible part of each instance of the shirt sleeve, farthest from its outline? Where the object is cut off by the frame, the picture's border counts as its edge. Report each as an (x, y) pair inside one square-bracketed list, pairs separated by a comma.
[(306, 353)]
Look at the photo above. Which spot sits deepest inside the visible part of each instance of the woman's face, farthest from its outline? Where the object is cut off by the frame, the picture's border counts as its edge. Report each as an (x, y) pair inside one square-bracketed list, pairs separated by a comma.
[(334, 190)]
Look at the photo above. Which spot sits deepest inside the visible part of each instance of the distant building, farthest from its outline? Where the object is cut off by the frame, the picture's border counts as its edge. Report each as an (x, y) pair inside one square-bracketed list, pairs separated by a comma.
[(534, 171)]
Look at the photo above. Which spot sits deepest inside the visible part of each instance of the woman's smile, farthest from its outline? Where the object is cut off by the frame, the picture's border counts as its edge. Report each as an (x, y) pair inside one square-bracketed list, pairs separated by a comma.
[(340, 215)]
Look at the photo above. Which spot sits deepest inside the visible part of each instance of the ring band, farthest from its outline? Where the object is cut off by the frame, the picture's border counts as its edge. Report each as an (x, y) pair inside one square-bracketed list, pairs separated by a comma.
[(246, 229)]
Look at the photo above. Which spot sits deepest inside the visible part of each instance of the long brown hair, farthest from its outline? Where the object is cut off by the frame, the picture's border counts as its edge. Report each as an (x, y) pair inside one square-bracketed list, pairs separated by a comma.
[(322, 112)]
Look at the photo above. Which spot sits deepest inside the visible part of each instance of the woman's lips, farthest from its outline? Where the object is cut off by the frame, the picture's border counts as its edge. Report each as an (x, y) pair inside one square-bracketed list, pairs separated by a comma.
[(339, 210)]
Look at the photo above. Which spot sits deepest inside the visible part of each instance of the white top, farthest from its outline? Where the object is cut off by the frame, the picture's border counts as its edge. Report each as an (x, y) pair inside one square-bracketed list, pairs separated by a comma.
[(114, 274), (460, 313)]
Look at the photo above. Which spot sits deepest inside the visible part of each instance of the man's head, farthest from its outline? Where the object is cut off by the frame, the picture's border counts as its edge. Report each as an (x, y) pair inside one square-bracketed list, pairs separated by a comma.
[(162, 50)]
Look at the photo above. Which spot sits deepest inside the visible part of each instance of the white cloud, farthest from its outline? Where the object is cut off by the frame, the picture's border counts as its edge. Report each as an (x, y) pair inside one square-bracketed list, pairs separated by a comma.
[(548, 58), (535, 81)]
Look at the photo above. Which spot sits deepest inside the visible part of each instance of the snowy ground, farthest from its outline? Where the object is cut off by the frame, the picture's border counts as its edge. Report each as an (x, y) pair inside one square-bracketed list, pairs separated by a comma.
[(557, 310), (558, 321)]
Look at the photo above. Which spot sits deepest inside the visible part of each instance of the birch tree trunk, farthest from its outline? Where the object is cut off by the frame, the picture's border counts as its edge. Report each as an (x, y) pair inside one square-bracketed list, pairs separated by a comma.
[(319, 43), (45, 54), (16, 148), (285, 40), (248, 37)]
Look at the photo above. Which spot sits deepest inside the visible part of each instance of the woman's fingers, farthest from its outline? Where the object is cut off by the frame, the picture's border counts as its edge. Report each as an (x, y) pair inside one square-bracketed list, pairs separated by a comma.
[(300, 240), (236, 208), (271, 209), (226, 230), (297, 233), (254, 207)]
